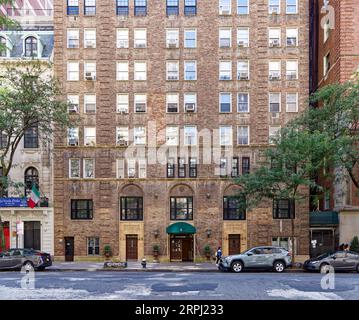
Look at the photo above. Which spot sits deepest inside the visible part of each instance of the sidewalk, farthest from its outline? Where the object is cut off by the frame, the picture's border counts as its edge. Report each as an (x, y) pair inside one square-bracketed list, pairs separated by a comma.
[(136, 266)]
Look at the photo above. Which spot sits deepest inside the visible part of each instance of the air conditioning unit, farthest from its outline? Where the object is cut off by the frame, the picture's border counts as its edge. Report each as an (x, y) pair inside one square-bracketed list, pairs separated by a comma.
[(140, 107), (274, 43), (122, 142), (131, 174), (190, 107), (243, 76), (172, 43), (172, 107), (273, 10), (73, 142), (122, 110), (225, 10), (172, 78), (122, 44), (90, 76), (73, 108), (90, 107), (274, 76), (292, 76), (140, 45), (90, 44), (291, 42), (90, 143), (242, 44)]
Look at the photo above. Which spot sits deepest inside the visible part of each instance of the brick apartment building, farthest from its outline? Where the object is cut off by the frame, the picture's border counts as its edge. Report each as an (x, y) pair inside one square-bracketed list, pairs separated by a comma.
[(335, 44), (154, 78)]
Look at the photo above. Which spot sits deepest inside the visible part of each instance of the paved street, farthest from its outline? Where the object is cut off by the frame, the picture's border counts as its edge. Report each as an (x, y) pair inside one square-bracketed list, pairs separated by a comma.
[(172, 285)]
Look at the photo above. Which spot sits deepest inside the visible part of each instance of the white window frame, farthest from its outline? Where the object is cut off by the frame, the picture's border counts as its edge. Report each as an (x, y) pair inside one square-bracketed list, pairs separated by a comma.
[(246, 42), (296, 101), (136, 130), (71, 166), (131, 166), (84, 168), (120, 166), (140, 75), (248, 70), (139, 98), (271, 133), (223, 138), (87, 41), (220, 100), (278, 36), (186, 135), (69, 31), (126, 72), (174, 62), (125, 135), (220, 37), (86, 97), (296, 7), (174, 135), (88, 65), (296, 31), (122, 43), (274, 72), (89, 141), (225, 71), (248, 96), (296, 69), (140, 42), (172, 94), (270, 96), (271, 5), (185, 65), (187, 100), (74, 99), (142, 168), (76, 135), (69, 72), (172, 42), (242, 6), (225, 9), (248, 135), (118, 100), (185, 38)]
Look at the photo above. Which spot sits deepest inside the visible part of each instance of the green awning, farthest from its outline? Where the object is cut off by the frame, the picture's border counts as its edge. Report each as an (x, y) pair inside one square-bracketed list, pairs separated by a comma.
[(323, 218), (181, 228)]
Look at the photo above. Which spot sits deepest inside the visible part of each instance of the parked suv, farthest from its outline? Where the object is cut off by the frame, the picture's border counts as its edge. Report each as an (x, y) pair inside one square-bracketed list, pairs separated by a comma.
[(271, 258)]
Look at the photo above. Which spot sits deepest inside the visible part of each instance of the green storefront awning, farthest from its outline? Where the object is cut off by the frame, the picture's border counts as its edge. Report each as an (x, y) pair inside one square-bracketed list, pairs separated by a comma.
[(324, 218), (181, 228)]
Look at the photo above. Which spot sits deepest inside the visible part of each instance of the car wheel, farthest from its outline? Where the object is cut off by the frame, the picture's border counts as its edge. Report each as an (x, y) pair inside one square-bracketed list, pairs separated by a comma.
[(279, 266), (237, 266), (28, 266), (324, 268)]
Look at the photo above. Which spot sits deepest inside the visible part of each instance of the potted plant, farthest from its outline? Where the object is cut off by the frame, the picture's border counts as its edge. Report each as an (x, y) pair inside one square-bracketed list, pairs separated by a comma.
[(107, 251), (156, 250), (207, 251)]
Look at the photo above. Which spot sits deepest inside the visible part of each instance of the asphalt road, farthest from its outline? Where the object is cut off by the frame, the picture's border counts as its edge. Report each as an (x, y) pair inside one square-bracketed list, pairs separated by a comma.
[(173, 286)]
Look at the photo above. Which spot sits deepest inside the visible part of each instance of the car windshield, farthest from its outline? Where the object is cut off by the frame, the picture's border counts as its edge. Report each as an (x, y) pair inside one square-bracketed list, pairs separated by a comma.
[(324, 255)]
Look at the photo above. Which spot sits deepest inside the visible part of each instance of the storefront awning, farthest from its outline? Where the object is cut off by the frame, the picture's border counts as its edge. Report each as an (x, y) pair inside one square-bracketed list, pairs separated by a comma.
[(324, 218), (181, 228)]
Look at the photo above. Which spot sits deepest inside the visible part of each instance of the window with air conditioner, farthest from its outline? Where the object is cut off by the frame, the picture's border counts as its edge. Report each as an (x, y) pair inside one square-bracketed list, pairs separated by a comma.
[(172, 70), (73, 136), (89, 136), (225, 136), (190, 70), (243, 37), (73, 71), (140, 68), (292, 70), (225, 37), (274, 37), (242, 6), (172, 38), (225, 102), (73, 38), (225, 70), (292, 37), (73, 103), (90, 71), (243, 102), (243, 135), (74, 168), (140, 102), (122, 135), (274, 70), (274, 6), (122, 38), (122, 102), (140, 38), (120, 168), (89, 168), (225, 7), (172, 135), (90, 103), (274, 102), (139, 135), (190, 135), (291, 6), (122, 70), (190, 38), (190, 102), (274, 134), (172, 102), (292, 102), (90, 38), (243, 70)]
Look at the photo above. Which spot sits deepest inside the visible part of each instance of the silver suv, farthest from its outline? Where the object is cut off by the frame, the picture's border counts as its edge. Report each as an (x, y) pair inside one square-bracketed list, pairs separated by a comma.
[(272, 258)]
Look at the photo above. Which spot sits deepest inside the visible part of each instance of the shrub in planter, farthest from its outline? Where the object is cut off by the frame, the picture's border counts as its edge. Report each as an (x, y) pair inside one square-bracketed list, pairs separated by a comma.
[(354, 246), (107, 251), (207, 251)]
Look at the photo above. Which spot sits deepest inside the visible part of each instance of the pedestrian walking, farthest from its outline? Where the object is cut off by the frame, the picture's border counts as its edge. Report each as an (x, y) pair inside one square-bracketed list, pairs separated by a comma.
[(218, 255)]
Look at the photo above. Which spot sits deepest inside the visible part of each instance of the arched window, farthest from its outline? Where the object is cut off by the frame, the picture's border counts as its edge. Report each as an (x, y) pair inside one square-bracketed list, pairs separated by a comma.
[(31, 178), (31, 47), (2, 47)]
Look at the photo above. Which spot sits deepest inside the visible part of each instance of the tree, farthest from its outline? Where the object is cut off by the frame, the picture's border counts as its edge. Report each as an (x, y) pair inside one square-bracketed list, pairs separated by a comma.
[(354, 246), (5, 21)]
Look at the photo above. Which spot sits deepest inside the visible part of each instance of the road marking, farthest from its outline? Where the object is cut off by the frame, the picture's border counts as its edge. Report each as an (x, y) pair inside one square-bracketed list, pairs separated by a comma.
[(296, 294)]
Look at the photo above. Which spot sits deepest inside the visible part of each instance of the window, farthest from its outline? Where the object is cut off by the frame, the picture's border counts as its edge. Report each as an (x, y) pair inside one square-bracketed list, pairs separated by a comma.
[(235, 167), (224, 7), (73, 103), (190, 102), (274, 70), (93, 246), (3, 44), (225, 70), (225, 38), (223, 168), (73, 7), (243, 102), (246, 165), (190, 7), (31, 137), (73, 71), (172, 70), (326, 64), (274, 37), (171, 168), (190, 70), (283, 209), (90, 71), (90, 103), (292, 6), (3, 140), (292, 102), (292, 70), (243, 135), (181, 208), (90, 38), (225, 102), (89, 136), (292, 37), (120, 166), (139, 137), (326, 30), (192, 167), (131, 208), (172, 102), (73, 38), (140, 71), (89, 168), (31, 179), (274, 133), (122, 7), (190, 135), (243, 37), (274, 6), (74, 168), (81, 209), (190, 38), (242, 6), (122, 71), (225, 135), (181, 168), (140, 38), (172, 135), (31, 47), (234, 208), (122, 102), (122, 136), (131, 168), (89, 7), (73, 136), (274, 102), (140, 7), (284, 242), (140, 102), (243, 70), (172, 7), (172, 38), (122, 38), (142, 168)]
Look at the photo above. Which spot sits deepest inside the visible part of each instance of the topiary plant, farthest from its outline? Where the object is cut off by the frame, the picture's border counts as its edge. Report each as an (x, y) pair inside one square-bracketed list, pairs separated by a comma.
[(354, 246)]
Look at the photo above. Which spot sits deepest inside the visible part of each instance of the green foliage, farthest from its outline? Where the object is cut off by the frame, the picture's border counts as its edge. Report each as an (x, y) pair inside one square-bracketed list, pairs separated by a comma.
[(5, 22), (354, 246), (107, 250), (207, 249), (156, 247)]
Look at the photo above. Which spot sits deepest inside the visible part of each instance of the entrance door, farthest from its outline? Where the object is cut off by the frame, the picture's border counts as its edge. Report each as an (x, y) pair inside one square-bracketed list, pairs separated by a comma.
[(234, 244), (181, 248), (69, 248), (176, 249), (187, 249), (131, 247), (32, 235)]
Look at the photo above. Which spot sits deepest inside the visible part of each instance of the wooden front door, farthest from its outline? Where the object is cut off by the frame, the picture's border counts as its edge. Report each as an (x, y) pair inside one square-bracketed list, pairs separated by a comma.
[(176, 249), (69, 248), (234, 244), (131, 247), (187, 249), (181, 248)]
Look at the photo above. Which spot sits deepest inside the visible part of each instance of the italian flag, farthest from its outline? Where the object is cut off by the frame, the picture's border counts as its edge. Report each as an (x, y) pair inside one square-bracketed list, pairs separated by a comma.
[(34, 197)]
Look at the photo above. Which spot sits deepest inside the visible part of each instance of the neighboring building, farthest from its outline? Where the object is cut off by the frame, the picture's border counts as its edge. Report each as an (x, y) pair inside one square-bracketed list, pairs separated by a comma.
[(25, 227), (335, 49), (149, 75)]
